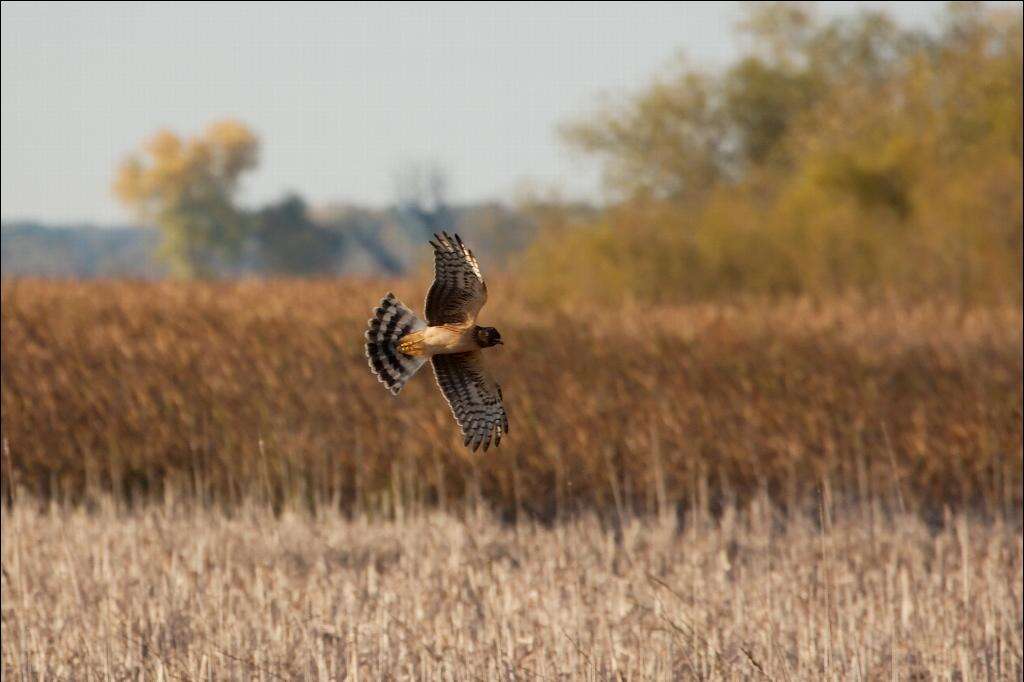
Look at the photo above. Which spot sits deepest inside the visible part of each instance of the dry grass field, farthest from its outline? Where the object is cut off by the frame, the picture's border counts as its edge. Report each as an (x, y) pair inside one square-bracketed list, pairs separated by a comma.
[(230, 392), (205, 481), (174, 593)]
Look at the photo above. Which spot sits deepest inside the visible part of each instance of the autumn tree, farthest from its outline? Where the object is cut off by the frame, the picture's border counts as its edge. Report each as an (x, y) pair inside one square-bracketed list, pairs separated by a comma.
[(833, 155), (187, 187)]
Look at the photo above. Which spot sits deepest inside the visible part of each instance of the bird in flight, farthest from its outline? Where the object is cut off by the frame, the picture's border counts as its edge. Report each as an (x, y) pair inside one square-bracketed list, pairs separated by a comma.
[(398, 343)]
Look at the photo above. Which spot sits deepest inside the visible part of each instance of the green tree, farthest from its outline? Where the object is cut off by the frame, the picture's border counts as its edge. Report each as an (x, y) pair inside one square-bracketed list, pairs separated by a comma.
[(291, 244)]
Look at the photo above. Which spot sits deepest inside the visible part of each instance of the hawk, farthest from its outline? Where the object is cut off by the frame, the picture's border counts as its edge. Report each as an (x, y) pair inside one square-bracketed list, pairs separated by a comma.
[(398, 343)]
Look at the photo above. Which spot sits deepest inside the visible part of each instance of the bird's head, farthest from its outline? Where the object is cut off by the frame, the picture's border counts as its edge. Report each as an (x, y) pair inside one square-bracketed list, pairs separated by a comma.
[(488, 336)]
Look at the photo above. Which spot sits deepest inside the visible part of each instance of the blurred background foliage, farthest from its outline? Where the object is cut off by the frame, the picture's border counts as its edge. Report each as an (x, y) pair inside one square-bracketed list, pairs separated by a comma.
[(187, 188), (852, 154)]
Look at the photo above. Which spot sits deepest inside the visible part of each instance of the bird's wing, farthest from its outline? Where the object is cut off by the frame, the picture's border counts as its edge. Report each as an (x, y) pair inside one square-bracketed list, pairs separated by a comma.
[(458, 291), (475, 398)]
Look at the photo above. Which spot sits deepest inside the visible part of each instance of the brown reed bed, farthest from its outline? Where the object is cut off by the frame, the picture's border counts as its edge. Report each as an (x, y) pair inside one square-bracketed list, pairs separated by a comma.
[(233, 392)]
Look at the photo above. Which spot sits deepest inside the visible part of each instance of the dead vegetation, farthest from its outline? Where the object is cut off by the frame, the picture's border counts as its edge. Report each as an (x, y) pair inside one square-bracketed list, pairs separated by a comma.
[(260, 391), (205, 481), (173, 592), (225, 392)]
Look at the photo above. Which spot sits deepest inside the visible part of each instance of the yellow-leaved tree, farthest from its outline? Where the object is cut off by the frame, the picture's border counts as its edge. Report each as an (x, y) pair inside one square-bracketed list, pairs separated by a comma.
[(187, 187), (852, 154)]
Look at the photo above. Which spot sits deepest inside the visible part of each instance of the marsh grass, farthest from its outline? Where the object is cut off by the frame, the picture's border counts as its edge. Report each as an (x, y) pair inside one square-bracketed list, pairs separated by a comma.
[(227, 393)]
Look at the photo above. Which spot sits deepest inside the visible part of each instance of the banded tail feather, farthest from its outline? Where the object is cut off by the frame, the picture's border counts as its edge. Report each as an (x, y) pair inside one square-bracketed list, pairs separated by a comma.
[(391, 321)]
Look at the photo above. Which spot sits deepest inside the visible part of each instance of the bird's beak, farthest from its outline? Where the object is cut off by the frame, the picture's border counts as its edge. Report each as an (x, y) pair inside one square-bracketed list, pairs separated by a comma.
[(500, 342)]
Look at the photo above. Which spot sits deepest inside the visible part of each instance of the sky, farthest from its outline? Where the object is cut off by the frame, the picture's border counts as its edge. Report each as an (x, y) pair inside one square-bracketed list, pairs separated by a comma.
[(342, 96)]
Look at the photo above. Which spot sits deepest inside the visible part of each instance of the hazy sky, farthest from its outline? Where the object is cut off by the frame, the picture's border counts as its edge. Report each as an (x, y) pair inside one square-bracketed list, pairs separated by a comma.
[(342, 95)]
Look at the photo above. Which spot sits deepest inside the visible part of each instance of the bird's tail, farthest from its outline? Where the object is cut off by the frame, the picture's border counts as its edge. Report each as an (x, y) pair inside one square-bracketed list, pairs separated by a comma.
[(390, 322)]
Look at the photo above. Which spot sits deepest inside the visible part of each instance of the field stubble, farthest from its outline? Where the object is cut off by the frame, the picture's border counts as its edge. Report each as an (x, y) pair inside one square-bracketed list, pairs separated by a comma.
[(181, 593)]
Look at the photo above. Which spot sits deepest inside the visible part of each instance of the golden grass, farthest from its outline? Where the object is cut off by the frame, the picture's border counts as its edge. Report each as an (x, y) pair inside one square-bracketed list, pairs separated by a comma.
[(234, 392), (205, 481), (173, 592)]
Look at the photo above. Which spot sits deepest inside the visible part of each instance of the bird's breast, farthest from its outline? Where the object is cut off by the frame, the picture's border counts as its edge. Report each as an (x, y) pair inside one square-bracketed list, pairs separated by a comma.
[(439, 340)]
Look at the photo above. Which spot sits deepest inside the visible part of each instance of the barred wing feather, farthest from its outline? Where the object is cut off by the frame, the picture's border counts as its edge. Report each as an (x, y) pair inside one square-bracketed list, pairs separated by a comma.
[(474, 397), (458, 291)]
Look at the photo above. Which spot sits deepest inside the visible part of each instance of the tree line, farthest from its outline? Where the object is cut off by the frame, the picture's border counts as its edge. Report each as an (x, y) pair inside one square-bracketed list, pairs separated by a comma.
[(850, 154)]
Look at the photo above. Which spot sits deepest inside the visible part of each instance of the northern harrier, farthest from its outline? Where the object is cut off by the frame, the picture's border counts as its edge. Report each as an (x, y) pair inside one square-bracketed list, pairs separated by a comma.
[(398, 343)]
